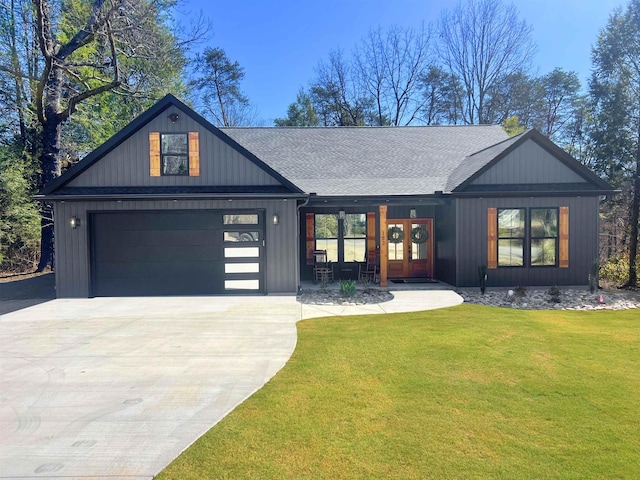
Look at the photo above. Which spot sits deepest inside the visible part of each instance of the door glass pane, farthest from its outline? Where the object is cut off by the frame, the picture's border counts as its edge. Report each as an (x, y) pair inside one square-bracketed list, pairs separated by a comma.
[(396, 247), (241, 268), (241, 252), (242, 284), (250, 219), (240, 236), (419, 241)]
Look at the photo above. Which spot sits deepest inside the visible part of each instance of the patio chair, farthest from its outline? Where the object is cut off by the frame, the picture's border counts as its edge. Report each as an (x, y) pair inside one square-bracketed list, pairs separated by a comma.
[(369, 271), (322, 269)]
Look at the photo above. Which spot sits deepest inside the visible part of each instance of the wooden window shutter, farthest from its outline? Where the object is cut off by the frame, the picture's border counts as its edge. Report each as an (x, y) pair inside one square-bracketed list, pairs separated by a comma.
[(194, 154), (563, 249), (492, 238), (154, 154), (310, 237), (371, 232)]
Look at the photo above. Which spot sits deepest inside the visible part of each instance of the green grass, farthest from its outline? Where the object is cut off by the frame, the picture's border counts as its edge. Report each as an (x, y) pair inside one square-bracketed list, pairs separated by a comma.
[(465, 392)]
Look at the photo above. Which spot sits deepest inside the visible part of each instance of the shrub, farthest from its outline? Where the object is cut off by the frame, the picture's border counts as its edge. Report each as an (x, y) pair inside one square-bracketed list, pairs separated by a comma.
[(348, 288), (520, 291), (616, 268), (554, 295)]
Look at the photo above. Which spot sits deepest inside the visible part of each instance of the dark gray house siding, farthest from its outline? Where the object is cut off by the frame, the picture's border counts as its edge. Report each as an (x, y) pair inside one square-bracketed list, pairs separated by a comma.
[(529, 163), (445, 245), (472, 242), (128, 164), (73, 267)]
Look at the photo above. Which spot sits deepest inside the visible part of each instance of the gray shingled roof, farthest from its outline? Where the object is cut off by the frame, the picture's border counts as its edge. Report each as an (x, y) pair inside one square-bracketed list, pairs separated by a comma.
[(476, 161), (369, 160)]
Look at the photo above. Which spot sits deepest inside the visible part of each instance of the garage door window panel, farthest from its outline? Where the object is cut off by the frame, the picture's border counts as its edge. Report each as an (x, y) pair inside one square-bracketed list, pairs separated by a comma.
[(242, 284), (241, 252), (241, 237), (240, 219)]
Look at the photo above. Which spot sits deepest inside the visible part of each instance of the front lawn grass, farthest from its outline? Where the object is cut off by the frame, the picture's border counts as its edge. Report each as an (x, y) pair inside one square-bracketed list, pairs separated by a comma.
[(465, 392)]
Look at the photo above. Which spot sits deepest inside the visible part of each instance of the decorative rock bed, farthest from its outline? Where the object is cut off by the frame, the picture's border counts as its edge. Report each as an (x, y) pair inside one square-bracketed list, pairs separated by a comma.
[(334, 297), (569, 299)]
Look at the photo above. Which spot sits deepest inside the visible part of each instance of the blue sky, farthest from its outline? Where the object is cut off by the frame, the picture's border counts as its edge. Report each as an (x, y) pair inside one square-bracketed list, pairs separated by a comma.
[(279, 43)]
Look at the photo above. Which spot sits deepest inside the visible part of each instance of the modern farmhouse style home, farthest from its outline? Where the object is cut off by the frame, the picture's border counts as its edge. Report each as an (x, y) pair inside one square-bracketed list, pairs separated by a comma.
[(172, 205)]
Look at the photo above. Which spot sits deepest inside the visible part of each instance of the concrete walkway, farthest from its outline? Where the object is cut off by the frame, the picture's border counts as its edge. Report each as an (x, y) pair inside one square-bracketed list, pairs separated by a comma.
[(118, 387), (403, 301)]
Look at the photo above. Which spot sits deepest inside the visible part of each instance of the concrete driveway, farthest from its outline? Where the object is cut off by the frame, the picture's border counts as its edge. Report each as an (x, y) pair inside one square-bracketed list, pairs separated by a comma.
[(118, 387)]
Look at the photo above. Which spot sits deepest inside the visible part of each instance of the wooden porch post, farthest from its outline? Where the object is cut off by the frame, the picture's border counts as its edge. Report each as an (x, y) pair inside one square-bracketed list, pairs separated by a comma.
[(384, 246)]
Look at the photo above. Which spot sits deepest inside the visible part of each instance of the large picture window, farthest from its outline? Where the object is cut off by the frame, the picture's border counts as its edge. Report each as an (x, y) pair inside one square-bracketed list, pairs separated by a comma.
[(529, 237), (344, 238), (174, 154), (511, 235), (544, 236)]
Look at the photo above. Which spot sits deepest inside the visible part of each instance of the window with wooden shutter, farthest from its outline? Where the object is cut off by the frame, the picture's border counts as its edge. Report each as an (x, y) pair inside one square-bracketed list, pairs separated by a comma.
[(194, 154), (154, 154), (563, 248), (492, 238)]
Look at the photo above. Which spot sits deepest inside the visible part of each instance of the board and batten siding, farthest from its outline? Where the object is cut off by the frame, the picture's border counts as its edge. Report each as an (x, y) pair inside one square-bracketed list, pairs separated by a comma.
[(73, 263), (445, 243), (529, 163), (472, 242), (128, 163)]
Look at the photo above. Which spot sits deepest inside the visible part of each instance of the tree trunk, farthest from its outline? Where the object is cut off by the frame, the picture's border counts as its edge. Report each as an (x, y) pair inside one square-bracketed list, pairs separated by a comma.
[(633, 231), (50, 161)]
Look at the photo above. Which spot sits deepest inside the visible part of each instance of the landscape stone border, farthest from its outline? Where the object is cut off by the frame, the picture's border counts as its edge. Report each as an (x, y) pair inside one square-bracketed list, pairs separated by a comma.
[(536, 299)]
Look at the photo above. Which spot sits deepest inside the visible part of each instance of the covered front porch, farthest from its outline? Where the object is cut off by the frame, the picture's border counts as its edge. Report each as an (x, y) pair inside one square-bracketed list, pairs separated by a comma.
[(410, 241)]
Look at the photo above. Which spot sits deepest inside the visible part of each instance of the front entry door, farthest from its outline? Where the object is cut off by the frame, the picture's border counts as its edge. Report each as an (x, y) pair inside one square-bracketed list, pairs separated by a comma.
[(410, 248)]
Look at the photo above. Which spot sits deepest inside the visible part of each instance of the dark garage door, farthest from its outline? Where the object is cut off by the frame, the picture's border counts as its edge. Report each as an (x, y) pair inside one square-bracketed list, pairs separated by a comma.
[(176, 253)]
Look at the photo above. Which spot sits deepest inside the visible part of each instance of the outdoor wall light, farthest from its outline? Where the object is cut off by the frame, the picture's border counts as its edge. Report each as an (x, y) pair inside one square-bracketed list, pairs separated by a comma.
[(276, 219), (74, 222), (173, 117), (342, 214), (412, 213)]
